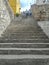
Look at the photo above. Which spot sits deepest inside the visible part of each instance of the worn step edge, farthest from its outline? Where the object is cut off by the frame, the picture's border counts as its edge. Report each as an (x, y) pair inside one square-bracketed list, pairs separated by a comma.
[(24, 45), (24, 57), (24, 39), (22, 52), (24, 49)]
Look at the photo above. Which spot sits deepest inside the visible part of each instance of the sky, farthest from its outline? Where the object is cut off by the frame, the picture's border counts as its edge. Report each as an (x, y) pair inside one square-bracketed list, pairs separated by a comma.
[(25, 4)]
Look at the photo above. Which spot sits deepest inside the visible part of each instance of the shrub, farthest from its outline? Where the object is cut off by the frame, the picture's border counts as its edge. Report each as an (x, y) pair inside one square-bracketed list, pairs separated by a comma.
[(17, 14)]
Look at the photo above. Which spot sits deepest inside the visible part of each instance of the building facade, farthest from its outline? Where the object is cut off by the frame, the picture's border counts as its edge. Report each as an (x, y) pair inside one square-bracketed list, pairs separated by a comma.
[(15, 5), (18, 6)]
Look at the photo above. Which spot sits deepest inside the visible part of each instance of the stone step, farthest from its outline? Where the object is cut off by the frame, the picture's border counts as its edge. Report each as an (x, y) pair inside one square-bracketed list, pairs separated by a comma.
[(30, 61), (24, 57), (22, 51), (19, 45), (25, 37), (23, 29), (17, 29), (24, 34), (24, 40)]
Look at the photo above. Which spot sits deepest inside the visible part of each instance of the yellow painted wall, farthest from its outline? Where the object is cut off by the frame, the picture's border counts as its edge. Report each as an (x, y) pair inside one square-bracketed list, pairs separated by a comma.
[(15, 5), (18, 6)]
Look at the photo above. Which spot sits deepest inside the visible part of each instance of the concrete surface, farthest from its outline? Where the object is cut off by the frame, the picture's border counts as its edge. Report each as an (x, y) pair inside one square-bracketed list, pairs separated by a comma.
[(45, 26)]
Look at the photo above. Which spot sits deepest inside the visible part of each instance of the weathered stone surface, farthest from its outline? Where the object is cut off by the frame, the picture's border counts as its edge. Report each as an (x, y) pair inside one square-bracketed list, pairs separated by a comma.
[(40, 12), (4, 16), (45, 26), (24, 31), (25, 62)]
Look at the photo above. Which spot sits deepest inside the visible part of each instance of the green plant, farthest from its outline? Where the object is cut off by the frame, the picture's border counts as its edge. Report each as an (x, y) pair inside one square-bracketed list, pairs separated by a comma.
[(17, 14)]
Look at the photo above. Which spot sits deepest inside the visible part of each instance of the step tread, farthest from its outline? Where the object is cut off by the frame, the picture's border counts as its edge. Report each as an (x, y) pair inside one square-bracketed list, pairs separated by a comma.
[(24, 45), (24, 56)]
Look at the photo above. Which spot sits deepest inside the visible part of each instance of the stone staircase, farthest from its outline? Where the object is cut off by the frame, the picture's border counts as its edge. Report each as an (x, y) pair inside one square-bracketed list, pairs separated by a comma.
[(24, 34), (24, 44), (24, 53), (24, 49)]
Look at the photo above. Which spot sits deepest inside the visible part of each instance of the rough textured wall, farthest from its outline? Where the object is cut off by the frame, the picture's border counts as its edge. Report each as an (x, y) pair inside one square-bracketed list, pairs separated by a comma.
[(40, 12), (4, 15)]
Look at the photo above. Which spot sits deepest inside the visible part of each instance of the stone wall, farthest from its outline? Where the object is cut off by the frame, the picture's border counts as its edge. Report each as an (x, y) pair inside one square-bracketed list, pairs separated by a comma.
[(5, 15), (40, 12)]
